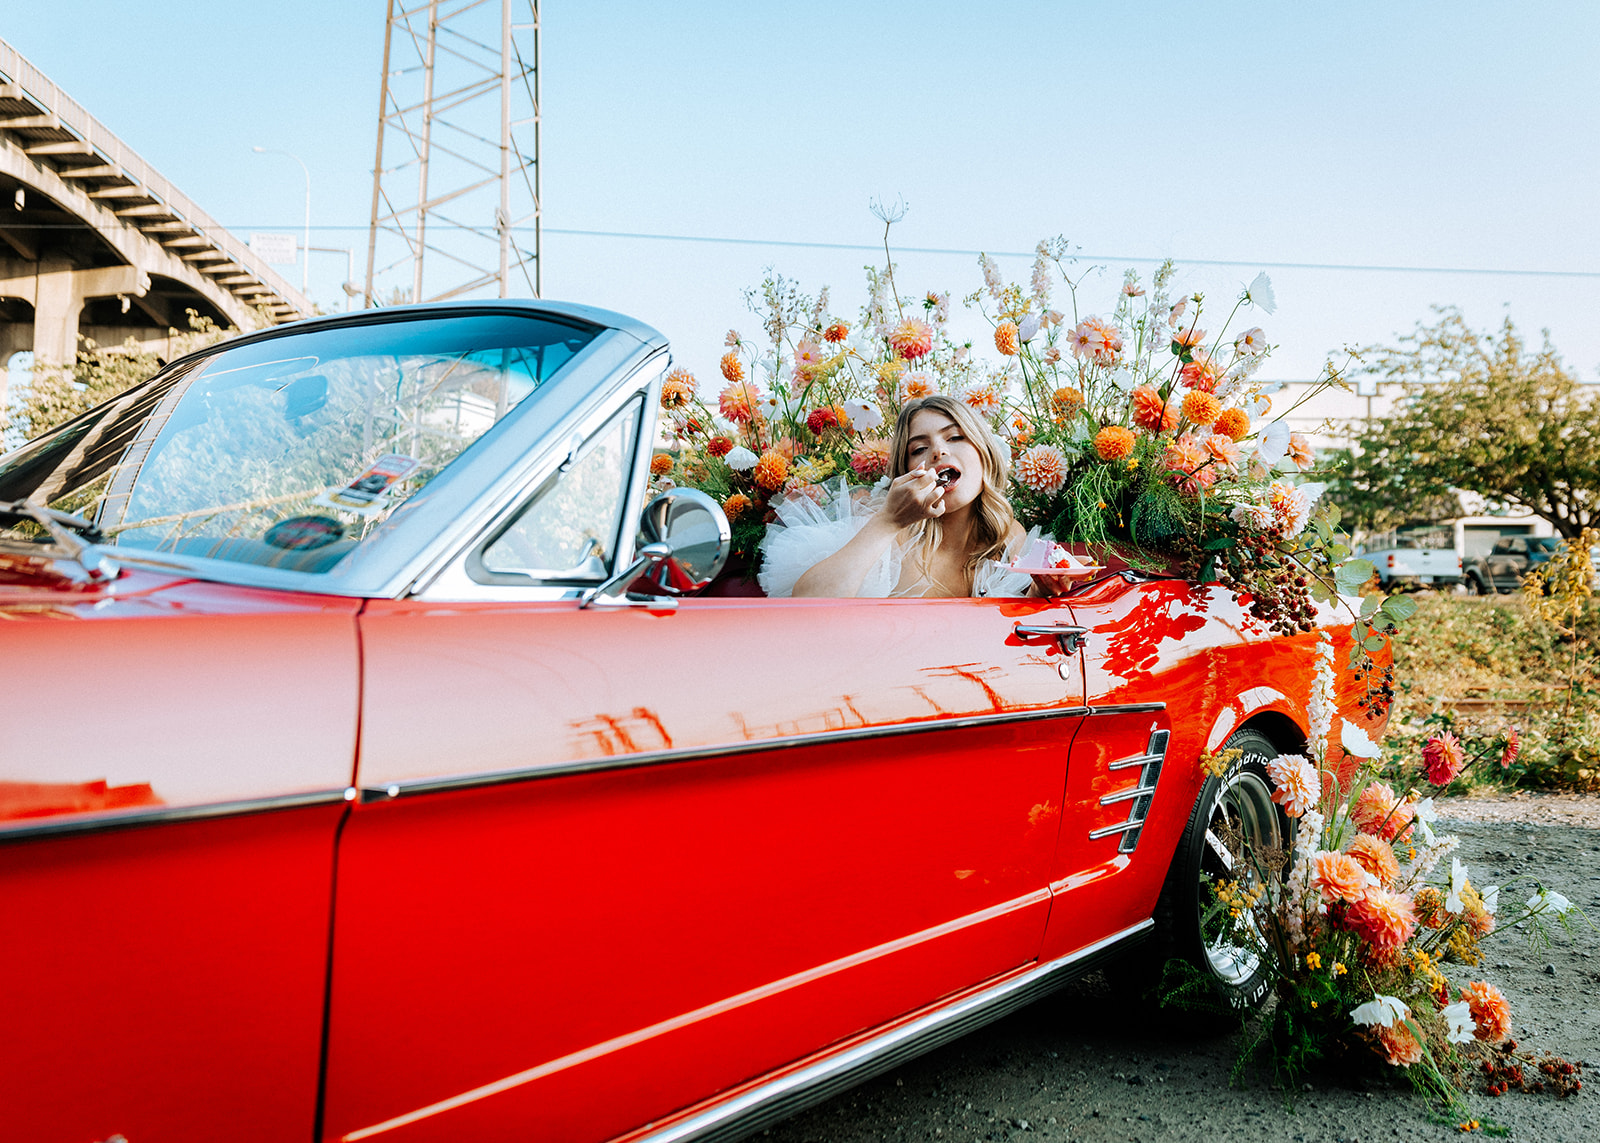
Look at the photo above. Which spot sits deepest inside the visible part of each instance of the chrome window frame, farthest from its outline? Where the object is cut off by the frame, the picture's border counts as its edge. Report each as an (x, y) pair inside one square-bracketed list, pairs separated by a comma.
[(454, 509)]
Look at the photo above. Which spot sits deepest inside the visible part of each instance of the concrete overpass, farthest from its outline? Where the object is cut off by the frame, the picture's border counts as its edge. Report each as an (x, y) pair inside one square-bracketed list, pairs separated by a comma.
[(95, 243)]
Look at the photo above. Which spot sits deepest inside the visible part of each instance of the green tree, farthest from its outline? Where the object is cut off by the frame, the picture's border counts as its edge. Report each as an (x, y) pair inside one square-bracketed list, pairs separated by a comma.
[(57, 393), (1482, 413)]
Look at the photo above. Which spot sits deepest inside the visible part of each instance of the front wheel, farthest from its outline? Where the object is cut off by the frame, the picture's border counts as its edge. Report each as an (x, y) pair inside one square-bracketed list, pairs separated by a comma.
[(1191, 924)]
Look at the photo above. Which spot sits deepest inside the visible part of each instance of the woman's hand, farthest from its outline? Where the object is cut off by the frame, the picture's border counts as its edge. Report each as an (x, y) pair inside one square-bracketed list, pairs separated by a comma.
[(1050, 585), (913, 497)]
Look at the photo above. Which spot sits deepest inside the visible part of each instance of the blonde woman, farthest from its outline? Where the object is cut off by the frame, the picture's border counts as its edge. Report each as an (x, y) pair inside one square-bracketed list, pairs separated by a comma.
[(942, 528)]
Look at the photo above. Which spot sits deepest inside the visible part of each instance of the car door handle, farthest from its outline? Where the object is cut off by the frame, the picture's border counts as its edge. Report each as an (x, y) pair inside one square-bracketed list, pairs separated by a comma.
[(1069, 637)]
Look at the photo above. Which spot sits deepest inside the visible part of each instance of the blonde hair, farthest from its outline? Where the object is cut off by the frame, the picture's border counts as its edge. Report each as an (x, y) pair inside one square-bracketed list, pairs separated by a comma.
[(992, 516)]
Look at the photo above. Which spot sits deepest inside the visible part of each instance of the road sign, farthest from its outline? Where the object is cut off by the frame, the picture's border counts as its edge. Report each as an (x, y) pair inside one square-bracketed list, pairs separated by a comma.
[(279, 249)]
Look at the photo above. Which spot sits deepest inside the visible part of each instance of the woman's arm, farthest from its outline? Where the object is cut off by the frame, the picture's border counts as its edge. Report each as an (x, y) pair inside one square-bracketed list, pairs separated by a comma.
[(915, 496)]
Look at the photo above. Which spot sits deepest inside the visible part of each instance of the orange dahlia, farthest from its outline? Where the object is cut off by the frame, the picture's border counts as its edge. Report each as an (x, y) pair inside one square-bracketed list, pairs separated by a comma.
[(1490, 1012), (1384, 920), (1066, 401), (1190, 337), (732, 367), (1399, 1046), (984, 398), (1374, 855), (737, 504), (1201, 407), (1233, 423), (771, 470), (912, 338), (915, 385), (1223, 449), (660, 464), (719, 446), (677, 388), (1152, 413), (1339, 876), (1380, 812), (1190, 465), (737, 402), (1042, 468), (1113, 442), (838, 331), (1005, 338), (1200, 373)]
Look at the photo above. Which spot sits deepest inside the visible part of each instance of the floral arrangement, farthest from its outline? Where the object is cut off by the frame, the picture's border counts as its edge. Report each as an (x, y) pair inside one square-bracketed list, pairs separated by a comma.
[(1361, 924), (1134, 433)]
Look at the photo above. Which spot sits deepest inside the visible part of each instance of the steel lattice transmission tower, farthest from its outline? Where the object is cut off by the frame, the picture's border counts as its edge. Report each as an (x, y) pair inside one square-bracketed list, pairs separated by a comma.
[(455, 185)]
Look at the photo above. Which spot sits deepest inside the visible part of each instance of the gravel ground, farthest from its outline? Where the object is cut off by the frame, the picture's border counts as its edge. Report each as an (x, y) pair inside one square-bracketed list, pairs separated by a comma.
[(1078, 1066)]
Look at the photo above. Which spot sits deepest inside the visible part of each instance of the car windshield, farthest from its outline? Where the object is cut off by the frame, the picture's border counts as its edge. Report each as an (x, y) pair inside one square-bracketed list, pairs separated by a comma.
[(288, 451)]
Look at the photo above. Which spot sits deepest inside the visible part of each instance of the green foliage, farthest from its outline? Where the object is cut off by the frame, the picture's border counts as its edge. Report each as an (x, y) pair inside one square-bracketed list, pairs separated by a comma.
[(1478, 668), (1481, 413)]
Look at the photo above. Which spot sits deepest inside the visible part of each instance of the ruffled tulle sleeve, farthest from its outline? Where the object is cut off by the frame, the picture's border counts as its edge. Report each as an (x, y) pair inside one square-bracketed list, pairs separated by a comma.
[(994, 578), (813, 526)]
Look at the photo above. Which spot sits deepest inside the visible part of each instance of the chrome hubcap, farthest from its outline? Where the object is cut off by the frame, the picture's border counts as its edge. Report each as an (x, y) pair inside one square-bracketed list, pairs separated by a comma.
[(1244, 808)]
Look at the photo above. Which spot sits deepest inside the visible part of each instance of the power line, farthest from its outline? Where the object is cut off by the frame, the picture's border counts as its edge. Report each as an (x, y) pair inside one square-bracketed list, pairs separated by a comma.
[(945, 250)]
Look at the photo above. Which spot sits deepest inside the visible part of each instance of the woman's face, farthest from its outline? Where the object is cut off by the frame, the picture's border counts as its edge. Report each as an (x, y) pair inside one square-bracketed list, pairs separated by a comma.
[(938, 444)]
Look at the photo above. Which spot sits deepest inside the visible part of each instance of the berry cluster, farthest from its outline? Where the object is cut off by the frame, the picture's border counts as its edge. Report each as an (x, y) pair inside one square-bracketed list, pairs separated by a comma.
[(1379, 695), (1277, 589), (1523, 1071)]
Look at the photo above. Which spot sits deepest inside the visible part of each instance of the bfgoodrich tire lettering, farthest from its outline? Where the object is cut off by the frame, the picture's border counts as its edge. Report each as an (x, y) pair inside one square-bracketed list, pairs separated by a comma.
[(1187, 917)]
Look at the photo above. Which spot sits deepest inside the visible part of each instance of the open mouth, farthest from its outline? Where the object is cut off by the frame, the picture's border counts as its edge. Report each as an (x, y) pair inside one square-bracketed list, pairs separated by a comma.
[(948, 476)]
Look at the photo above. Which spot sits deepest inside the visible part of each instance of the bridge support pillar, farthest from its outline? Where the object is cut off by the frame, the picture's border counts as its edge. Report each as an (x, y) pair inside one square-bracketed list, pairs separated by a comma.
[(57, 293), (14, 338)]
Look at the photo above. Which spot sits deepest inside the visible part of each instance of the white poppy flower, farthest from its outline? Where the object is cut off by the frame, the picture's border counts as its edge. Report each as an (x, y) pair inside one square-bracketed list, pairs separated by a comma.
[(1491, 899), (1273, 444), (1458, 883), (1356, 741), (741, 459), (1381, 1010), (1551, 901), (1261, 294), (1461, 1024), (1028, 327), (1124, 379)]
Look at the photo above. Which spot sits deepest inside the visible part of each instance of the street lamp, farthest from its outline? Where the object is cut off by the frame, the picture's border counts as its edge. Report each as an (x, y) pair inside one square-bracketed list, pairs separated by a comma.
[(305, 263)]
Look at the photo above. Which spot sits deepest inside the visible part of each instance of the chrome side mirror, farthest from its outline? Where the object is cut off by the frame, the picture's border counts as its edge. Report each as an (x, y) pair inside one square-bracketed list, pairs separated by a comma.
[(683, 543)]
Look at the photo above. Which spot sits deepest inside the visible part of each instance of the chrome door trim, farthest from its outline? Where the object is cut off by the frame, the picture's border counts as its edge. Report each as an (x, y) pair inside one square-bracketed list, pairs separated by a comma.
[(64, 826), (778, 1099), (1128, 708), (694, 754)]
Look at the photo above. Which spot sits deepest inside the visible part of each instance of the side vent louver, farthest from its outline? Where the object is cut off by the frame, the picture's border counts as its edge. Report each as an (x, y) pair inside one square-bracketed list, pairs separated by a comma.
[(1139, 794)]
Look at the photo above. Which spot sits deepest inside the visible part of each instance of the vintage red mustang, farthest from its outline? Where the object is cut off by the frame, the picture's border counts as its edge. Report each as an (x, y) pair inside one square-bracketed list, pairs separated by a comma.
[(373, 774)]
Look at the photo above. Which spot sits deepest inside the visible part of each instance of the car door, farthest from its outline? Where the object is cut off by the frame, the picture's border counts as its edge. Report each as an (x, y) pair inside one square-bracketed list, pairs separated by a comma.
[(170, 788), (612, 860)]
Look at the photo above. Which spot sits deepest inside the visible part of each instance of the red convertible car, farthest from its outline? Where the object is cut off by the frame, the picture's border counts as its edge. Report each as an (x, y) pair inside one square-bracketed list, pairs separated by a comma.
[(374, 773)]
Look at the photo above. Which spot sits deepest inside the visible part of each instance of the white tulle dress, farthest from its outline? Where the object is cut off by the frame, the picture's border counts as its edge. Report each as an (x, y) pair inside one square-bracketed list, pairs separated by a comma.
[(809, 530)]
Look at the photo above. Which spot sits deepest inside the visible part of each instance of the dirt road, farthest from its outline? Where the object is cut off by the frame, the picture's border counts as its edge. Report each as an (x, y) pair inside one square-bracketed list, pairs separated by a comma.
[(1078, 1066)]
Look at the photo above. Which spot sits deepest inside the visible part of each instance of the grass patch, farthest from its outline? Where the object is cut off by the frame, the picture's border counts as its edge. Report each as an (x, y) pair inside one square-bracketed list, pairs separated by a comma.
[(1479, 667)]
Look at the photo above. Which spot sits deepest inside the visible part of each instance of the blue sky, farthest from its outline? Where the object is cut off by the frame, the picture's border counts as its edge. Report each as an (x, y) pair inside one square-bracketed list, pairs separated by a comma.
[(1419, 135)]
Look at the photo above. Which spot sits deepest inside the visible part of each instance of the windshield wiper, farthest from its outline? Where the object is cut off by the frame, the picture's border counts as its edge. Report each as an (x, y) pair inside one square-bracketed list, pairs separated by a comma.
[(78, 539)]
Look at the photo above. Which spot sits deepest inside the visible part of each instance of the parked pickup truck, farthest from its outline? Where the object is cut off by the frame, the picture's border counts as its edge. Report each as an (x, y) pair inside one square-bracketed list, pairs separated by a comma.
[(1413, 559), (1511, 558)]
